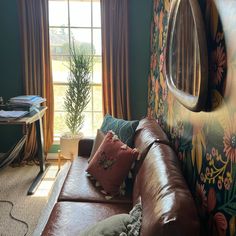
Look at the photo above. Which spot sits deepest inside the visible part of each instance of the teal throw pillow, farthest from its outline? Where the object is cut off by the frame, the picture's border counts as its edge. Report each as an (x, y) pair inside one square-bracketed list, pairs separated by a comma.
[(124, 129)]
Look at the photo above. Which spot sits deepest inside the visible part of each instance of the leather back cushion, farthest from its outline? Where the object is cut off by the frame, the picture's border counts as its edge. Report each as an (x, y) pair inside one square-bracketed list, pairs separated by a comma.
[(168, 206), (85, 147), (148, 132)]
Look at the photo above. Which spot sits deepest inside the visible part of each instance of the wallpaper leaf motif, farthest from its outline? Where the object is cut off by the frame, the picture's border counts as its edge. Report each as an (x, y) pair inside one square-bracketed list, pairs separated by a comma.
[(229, 205), (211, 200), (198, 142), (232, 226)]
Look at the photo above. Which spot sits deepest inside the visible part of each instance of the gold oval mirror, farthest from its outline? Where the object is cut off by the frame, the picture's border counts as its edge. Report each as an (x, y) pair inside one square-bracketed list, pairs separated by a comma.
[(186, 54)]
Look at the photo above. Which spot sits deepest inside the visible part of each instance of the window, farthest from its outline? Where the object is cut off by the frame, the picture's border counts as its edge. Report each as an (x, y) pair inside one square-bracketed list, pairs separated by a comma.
[(78, 21)]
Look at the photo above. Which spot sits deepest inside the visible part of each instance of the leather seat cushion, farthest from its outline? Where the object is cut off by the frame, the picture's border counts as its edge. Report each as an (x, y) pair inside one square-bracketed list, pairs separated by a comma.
[(71, 218), (78, 187)]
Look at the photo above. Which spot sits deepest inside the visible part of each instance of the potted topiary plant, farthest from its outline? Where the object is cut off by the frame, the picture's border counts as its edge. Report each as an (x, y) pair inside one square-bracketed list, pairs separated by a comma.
[(77, 98)]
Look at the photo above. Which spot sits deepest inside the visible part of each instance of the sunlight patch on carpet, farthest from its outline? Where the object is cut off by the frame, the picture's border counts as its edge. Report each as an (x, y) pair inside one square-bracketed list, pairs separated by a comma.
[(45, 186)]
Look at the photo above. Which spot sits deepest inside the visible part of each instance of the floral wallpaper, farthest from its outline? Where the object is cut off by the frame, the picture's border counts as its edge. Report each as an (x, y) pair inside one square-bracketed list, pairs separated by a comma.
[(205, 141)]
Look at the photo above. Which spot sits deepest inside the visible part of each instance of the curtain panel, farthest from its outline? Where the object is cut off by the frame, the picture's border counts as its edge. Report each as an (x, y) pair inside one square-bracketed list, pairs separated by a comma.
[(115, 73), (36, 65)]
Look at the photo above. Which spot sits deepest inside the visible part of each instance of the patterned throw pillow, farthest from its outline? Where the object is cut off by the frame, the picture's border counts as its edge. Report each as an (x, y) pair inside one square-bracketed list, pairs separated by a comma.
[(124, 129), (111, 163), (97, 142), (113, 225), (133, 228), (120, 224)]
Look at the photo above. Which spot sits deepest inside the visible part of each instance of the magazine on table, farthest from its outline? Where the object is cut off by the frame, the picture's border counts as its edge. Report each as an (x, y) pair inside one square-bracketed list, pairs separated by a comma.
[(11, 115)]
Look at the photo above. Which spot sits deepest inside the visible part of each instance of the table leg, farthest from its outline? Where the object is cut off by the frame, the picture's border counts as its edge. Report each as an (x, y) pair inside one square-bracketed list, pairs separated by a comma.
[(40, 141)]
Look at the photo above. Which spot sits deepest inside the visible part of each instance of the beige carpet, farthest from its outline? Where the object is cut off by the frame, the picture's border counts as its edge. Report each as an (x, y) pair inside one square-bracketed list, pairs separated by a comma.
[(14, 184)]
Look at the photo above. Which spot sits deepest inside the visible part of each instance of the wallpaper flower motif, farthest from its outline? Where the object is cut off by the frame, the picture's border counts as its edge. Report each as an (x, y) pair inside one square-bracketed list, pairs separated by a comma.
[(205, 141), (218, 65), (229, 140)]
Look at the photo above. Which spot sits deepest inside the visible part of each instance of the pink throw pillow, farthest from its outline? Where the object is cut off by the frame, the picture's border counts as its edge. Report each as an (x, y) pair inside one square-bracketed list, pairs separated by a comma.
[(112, 163)]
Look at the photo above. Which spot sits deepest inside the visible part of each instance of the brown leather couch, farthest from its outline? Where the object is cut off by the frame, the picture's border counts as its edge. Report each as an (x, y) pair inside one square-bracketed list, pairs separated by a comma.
[(168, 207)]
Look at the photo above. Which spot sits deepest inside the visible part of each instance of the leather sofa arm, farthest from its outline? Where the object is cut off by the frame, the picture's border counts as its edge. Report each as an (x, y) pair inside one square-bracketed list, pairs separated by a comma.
[(85, 147)]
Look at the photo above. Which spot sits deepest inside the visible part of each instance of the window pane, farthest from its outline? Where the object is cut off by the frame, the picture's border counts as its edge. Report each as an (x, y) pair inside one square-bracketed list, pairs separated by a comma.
[(96, 13), (60, 69), (59, 123), (97, 70), (60, 126), (59, 94), (82, 39), (87, 126), (97, 98), (97, 41), (89, 106), (80, 13), (97, 121), (59, 41), (58, 13)]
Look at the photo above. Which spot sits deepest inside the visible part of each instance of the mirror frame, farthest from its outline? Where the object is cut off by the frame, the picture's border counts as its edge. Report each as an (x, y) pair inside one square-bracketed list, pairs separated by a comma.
[(193, 103)]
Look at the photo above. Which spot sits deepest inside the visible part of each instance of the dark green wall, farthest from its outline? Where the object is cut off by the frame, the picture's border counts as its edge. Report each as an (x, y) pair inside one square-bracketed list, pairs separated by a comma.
[(140, 14), (10, 82)]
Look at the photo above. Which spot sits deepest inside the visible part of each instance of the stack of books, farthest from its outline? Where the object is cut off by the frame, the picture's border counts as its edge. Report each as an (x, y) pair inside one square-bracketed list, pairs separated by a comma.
[(25, 102)]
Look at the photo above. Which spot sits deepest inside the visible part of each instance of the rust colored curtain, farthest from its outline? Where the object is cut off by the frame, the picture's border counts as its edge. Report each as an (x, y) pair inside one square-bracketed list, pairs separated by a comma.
[(114, 16), (36, 65)]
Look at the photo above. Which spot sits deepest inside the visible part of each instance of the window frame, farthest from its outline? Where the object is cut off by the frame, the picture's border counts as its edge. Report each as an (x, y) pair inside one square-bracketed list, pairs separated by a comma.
[(94, 56)]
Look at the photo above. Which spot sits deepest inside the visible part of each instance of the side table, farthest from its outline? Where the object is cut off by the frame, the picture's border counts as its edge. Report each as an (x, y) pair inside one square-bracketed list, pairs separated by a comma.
[(32, 117)]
